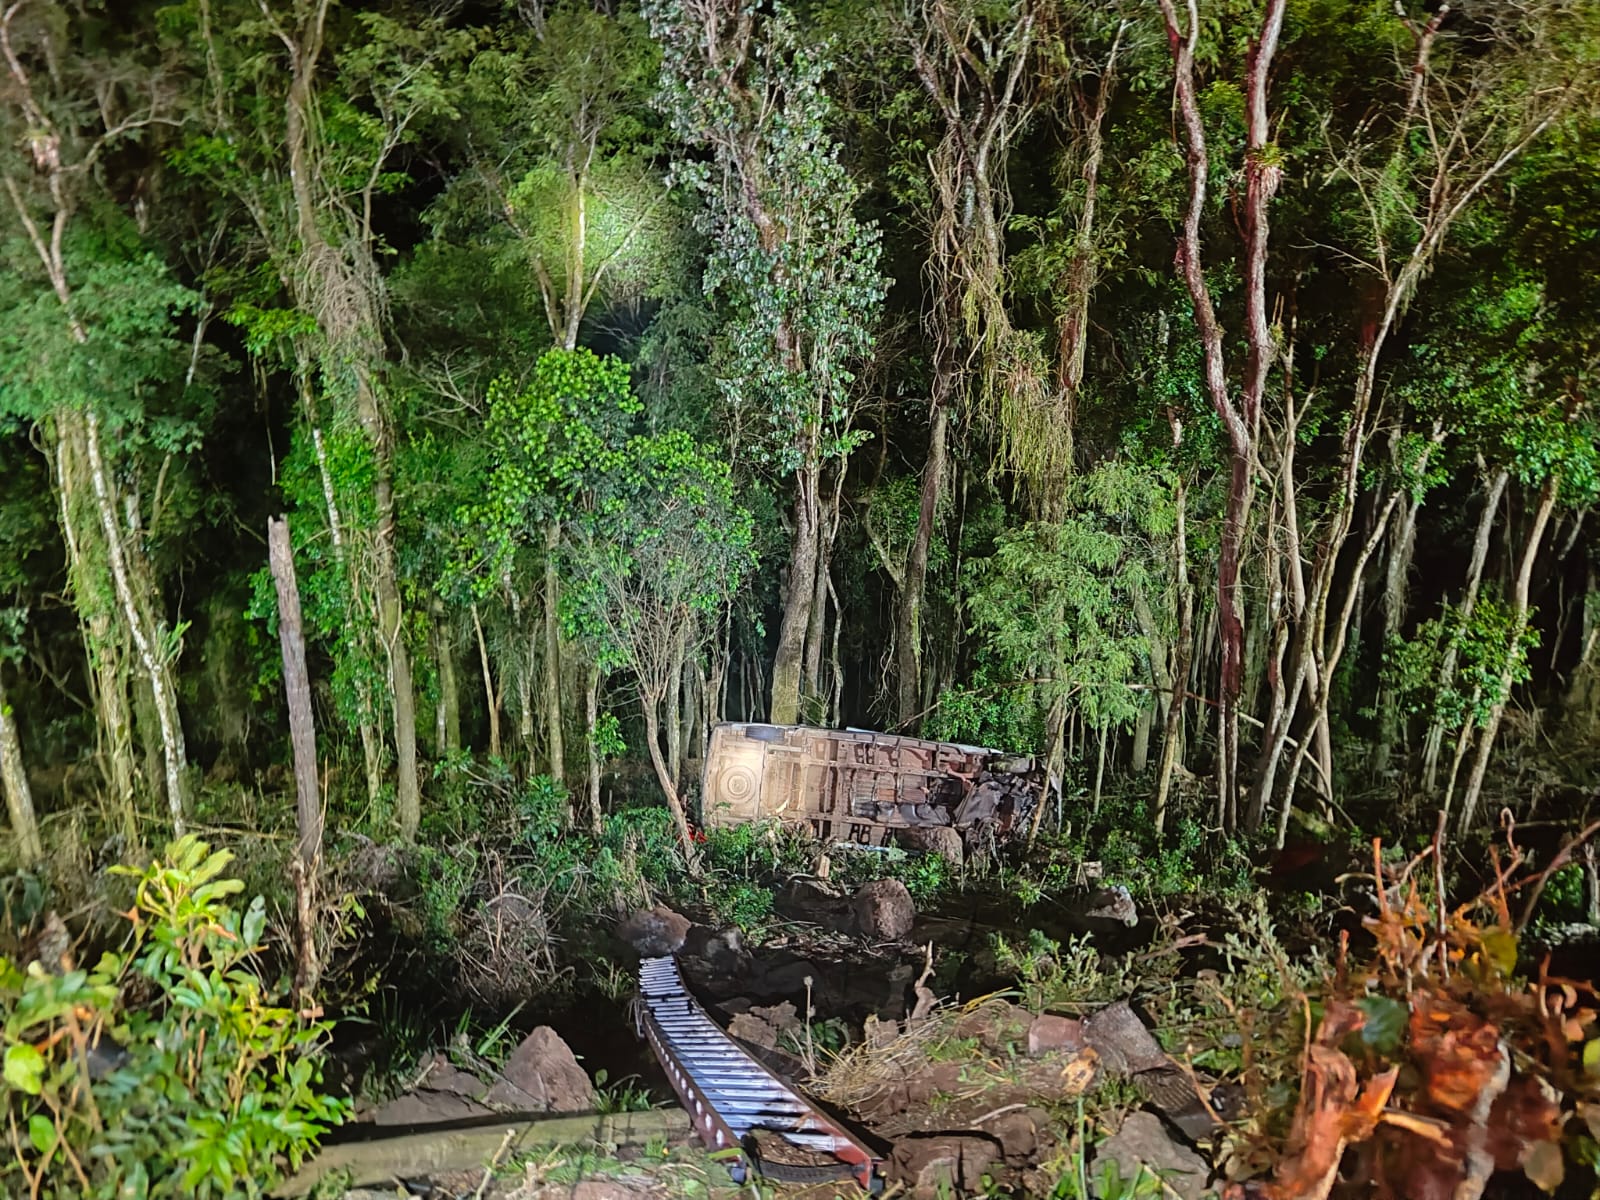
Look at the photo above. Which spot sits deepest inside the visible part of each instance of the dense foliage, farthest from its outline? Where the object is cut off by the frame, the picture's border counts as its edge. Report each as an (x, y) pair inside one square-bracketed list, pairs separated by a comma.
[(1200, 397), (166, 1069)]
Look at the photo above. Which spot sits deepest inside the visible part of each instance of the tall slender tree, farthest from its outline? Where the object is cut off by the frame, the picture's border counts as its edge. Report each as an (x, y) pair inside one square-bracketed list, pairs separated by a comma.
[(795, 268)]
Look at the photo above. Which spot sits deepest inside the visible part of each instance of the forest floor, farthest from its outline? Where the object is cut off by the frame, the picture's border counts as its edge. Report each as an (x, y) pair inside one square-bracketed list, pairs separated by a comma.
[(1180, 1048), (1184, 1016)]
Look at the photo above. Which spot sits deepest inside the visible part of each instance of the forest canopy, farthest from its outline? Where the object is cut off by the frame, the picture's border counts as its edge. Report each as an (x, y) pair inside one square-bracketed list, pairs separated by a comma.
[(1195, 394)]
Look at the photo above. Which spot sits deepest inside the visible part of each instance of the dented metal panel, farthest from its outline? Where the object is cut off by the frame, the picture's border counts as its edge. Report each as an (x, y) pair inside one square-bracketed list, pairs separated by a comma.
[(854, 785)]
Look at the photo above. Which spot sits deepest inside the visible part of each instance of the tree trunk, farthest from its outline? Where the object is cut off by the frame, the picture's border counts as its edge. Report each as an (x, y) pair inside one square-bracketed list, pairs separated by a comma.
[(447, 725), (1078, 283), (835, 660), (491, 697), (147, 732), (1056, 725), (1396, 583), (1099, 769), (1240, 421), (908, 604), (147, 630), (789, 663), (1469, 600), (408, 792), (297, 689), (1581, 704), (669, 787), (1519, 625), (674, 709), (1160, 680), (116, 725), (102, 647), (552, 655), (19, 798), (1183, 650), (591, 716), (366, 720), (1139, 757)]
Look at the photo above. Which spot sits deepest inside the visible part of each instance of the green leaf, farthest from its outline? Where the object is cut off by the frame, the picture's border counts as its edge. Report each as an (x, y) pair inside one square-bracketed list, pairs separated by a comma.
[(1500, 947), (42, 1133), (1591, 1057), (24, 1068), (1386, 1023)]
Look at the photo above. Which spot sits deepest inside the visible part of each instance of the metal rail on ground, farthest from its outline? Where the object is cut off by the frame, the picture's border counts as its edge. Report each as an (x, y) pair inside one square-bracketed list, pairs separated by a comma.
[(733, 1100)]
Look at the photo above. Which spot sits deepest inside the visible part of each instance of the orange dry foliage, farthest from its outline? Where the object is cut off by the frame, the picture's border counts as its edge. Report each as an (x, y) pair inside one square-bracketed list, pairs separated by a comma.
[(1433, 1064)]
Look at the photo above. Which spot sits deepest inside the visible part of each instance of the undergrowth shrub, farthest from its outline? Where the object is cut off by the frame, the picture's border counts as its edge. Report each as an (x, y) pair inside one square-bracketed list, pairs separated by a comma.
[(166, 1070)]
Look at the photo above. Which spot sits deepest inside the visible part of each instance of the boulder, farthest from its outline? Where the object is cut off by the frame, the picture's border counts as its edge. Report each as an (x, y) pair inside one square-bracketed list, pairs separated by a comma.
[(883, 910), (935, 839), (938, 1164), (1049, 1034), (1113, 904), (749, 1028), (542, 1075), (1143, 1145), (439, 1074), (997, 1025), (428, 1108), (655, 932), (1124, 1045), (722, 950), (1020, 1133)]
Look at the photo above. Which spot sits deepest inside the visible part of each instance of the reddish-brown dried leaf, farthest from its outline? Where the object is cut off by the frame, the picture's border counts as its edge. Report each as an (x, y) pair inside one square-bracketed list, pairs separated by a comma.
[(1457, 1051), (1526, 1115)]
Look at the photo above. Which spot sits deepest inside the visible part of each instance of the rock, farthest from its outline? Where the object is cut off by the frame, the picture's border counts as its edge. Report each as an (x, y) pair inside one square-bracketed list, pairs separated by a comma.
[(782, 1017), (1144, 1143), (750, 1028), (655, 932), (884, 910), (934, 1165), (721, 949), (936, 839), (997, 1025), (590, 1189), (1113, 904), (1124, 1045), (542, 1075), (1019, 1133), (428, 1108), (878, 1034), (1050, 1033), (441, 1075), (763, 1026), (1173, 1092)]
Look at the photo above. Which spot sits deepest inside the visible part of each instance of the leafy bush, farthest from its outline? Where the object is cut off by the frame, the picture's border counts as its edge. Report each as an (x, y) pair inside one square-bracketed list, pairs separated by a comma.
[(200, 1092)]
